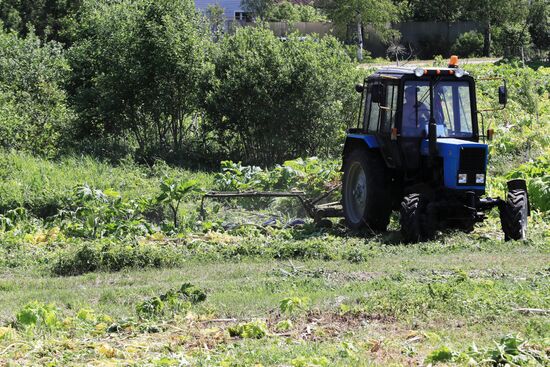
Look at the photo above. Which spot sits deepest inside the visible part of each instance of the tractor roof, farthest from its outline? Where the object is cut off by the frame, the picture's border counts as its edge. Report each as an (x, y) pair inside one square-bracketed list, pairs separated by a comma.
[(398, 72)]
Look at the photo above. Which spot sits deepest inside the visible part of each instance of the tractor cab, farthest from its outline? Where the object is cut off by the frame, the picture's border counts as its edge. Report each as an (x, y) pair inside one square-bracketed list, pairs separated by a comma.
[(418, 134)]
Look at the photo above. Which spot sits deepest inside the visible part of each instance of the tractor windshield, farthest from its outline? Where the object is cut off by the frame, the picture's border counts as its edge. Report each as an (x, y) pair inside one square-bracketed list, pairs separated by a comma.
[(452, 109)]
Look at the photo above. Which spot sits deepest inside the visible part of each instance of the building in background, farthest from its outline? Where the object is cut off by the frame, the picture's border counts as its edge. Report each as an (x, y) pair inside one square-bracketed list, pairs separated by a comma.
[(232, 9)]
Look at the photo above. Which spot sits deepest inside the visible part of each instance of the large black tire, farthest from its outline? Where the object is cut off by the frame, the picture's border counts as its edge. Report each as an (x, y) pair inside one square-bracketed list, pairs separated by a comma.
[(416, 224), (366, 195), (513, 215)]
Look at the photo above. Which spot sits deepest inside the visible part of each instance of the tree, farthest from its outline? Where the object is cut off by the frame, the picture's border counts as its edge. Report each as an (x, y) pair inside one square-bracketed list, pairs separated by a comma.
[(139, 66), (284, 11), (34, 114), (377, 13), (272, 100), (539, 24), (436, 11), (514, 40), (290, 12), (469, 44), (216, 17), (259, 8), (496, 12), (49, 18)]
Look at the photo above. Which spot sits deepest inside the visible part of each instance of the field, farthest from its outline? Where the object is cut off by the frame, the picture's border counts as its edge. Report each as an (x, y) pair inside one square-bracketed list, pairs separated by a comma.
[(114, 264), (77, 292)]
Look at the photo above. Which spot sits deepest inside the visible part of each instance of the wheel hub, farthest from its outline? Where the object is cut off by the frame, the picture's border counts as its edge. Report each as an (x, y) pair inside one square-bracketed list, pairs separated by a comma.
[(357, 189)]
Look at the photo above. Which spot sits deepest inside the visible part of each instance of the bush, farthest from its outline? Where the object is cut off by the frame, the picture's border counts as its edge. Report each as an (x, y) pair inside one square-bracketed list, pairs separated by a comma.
[(250, 330), (538, 181), (138, 68), (272, 100), (113, 256), (469, 44), (311, 175), (34, 115), (539, 25), (38, 314), (511, 39), (289, 12), (45, 186)]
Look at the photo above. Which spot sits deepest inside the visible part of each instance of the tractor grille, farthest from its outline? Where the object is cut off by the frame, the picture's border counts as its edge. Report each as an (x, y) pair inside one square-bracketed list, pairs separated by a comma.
[(472, 160)]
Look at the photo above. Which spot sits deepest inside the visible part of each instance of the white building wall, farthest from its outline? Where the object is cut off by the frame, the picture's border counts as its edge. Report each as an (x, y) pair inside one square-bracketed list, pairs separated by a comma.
[(230, 6)]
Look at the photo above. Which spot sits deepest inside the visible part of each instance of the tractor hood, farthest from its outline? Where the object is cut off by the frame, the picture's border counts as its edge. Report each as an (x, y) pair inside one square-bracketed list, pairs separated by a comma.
[(464, 163)]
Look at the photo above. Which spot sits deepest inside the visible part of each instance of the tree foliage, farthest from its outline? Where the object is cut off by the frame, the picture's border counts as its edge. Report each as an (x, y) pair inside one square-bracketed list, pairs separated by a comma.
[(436, 11), (287, 11), (539, 24), (48, 18), (33, 111), (216, 18), (259, 8), (377, 13), (272, 100), (469, 44), (138, 70), (492, 13)]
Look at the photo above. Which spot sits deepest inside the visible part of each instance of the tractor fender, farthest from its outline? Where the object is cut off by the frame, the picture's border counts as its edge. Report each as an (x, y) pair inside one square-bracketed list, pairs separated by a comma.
[(358, 141)]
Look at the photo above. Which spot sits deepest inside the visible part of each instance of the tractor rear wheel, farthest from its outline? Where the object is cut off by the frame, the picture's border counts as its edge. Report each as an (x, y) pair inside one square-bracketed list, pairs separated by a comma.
[(416, 223), (365, 191), (513, 215)]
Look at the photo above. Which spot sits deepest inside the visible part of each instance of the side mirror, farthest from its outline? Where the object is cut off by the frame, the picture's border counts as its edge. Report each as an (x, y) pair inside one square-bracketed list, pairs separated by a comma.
[(502, 95), (376, 93), (359, 88)]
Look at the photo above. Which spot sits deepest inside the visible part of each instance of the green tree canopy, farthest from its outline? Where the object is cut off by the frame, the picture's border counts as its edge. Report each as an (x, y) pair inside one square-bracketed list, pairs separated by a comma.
[(49, 18), (273, 100), (539, 24), (259, 8), (430, 10), (33, 111), (376, 13), (138, 68), (492, 13), (287, 11)]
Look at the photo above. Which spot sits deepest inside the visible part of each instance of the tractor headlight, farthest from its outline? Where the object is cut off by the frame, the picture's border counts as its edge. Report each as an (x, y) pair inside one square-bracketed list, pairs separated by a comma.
[(418, 72), (459, 73), (462, 178), (480, 178)]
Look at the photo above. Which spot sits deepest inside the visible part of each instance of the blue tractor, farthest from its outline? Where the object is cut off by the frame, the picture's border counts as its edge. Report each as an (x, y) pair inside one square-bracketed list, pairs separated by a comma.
[(417, 149)]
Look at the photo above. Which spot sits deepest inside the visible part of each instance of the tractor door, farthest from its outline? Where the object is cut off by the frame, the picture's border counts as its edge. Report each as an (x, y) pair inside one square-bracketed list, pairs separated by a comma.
[(387, 135)]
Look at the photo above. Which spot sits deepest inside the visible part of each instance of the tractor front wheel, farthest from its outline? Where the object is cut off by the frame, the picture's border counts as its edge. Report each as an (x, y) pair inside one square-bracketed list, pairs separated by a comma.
[(416, 223), (365, 191), (513, 215)]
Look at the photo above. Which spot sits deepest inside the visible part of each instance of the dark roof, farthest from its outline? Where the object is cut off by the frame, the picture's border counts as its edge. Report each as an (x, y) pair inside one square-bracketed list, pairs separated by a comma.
[(397, 72)]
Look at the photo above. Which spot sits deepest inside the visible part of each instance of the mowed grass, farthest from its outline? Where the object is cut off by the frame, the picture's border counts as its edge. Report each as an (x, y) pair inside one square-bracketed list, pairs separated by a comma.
[(394, 307), (360, 299)]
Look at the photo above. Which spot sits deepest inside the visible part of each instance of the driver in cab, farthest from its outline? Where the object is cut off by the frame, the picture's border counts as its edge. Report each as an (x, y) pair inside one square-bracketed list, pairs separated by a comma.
[(416, 113)]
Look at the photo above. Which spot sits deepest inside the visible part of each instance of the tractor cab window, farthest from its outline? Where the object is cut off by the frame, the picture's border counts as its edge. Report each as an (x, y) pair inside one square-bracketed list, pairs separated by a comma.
[(452, 109), (390, 107), (372, 113)]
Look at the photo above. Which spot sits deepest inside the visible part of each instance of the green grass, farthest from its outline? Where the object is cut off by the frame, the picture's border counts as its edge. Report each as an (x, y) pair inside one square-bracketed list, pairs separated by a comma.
[(369, 300), (452, 294), (42, 186)]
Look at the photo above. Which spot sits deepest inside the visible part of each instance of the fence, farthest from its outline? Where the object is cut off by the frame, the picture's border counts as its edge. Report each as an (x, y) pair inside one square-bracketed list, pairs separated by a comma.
[(426, 39), (282, 29)]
